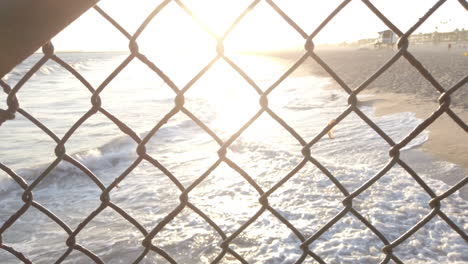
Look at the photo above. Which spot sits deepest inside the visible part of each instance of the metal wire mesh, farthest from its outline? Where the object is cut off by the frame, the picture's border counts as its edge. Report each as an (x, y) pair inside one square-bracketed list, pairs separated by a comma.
[(435, 203)]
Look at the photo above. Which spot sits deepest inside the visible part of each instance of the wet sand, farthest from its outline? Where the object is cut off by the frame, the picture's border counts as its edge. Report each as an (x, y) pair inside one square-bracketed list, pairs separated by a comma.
[(447, 140), (403, 89)]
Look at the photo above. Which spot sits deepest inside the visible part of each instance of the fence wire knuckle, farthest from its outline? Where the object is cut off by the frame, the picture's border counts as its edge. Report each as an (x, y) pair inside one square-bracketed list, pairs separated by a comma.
[(179, 107)]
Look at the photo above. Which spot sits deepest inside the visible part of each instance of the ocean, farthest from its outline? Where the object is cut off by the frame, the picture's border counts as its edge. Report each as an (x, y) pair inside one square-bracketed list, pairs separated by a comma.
[(266, 151)]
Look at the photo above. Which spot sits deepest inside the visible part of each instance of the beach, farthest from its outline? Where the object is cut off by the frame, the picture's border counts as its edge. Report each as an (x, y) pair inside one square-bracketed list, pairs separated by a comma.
[(447, 140), (403, 89), (355, 65)]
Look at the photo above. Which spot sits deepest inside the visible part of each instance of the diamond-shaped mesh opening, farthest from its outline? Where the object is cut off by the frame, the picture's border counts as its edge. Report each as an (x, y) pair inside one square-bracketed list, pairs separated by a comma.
[(436, 240), (10, 193), (188, 238), (410, 14), (408, 203), (259, 38), (439, 175), (169, 44), (67, 108), (217, 15), (460, 103), (265, 69), (306, 14), (386, 108), (127, 101), (354, 166), (120, 10), (448, 149), (455, 206), (13, 77), (308, 200), (446, 67), (243, 38), (92, 146), (272, 149), (216, 103), (29, 239), (363, 245), (311, 67), (226, 197), (345, 28), (126, 238), (181, 137), (353, 66), (68, 193), (303, 104), (99, 38), (150, 205), (200, 135), (17, 134), (409, 79), (277, 246), (96, 67)]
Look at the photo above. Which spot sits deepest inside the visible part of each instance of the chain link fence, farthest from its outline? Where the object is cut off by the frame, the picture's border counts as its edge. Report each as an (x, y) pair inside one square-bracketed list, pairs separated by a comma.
[(435, 204)]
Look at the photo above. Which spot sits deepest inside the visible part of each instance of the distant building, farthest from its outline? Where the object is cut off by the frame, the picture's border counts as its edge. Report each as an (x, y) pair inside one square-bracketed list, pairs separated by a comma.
[(386, 39), (457, 36), (420, 38)]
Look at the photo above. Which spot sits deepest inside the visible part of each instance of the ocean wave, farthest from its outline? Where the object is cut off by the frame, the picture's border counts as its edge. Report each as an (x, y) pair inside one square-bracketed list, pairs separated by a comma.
[(113, 154), (116, 153), (46, 70)]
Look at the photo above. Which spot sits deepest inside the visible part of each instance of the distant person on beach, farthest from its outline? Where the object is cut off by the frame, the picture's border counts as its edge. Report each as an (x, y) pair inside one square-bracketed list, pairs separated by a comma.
[(449, 46)]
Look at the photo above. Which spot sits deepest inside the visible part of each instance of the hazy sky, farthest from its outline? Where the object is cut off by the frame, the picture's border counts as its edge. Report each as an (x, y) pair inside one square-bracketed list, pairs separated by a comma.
[(261, 29)]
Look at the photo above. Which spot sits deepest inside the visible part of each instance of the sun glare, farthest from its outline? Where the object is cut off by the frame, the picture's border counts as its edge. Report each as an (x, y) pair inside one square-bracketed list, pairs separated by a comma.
[(261, 29)]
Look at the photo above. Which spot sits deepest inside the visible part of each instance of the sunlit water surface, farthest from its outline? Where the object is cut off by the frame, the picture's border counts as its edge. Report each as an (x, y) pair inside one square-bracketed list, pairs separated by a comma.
[(266, 151)]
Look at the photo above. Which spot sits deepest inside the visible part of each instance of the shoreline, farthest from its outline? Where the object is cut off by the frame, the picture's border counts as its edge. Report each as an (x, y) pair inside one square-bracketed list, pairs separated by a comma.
[(446, 142), (402, 89)]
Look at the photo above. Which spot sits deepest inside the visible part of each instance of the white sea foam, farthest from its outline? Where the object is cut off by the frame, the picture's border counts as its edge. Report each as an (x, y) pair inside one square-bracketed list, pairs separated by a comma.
[(267, 152)]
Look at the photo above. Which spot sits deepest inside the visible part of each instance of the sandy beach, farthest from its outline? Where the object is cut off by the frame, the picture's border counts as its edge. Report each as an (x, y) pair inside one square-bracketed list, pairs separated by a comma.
[(355, 65), (403, 89)]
